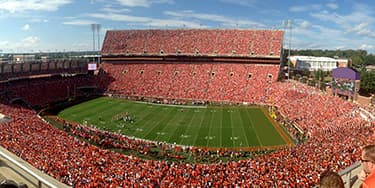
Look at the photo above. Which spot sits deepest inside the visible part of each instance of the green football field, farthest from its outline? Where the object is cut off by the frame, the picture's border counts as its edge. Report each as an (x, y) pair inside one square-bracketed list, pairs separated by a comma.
[(210, 126)]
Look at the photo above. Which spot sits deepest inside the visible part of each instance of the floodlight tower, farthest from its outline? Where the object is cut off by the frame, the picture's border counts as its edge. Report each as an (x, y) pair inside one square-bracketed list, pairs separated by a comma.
[(98, 26), (95, 28), (290, 26), (98, 32), (287, 24)]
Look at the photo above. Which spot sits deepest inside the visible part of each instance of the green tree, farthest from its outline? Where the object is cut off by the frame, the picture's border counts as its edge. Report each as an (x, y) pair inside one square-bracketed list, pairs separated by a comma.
[(357, 61), (319, 77), (369, 60), (367, 82)]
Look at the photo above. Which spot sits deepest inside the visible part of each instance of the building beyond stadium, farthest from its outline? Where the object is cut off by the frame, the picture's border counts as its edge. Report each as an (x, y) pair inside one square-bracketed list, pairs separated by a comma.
[(312, 63)]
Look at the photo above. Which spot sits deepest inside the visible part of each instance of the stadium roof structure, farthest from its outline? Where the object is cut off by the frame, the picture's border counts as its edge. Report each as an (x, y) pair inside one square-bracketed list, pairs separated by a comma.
[(345, 73), (207, 44)]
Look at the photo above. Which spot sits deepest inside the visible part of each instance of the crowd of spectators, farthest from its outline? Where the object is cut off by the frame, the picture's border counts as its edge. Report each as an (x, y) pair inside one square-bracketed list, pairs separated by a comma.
[(200, 81), (334, 127), (194, 42)]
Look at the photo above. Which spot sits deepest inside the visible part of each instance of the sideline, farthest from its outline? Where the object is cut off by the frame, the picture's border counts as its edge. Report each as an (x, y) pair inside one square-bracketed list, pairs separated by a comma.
[(282, 133)]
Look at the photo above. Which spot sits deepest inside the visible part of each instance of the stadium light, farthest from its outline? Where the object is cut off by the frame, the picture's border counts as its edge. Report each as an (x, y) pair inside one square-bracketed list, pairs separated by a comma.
[(287, 24), (98, 26), (95, 28), (290, 24), (98, 32)]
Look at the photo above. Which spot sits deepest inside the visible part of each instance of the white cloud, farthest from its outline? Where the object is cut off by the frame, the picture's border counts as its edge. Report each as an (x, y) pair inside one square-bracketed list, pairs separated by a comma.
[(310, 36), (26, 27), (326, 37), (359, 21), (134, 3), (119, 17), (328, 16), (30, 41), (25, 44), (78, 22), (172, 23), (305, 8), (248, 3), (332, 6), (360, 13), (4, 44), (39, 20), (185, 18), (226, 21), (115, 10), (26, 5), (81, 45), (143, 3), (145, 21), (305, 24), (362, 29), (367, 47), (70, 17)]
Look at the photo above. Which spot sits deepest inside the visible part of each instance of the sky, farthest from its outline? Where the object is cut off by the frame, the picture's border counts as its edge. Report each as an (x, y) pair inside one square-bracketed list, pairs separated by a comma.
[(65, 25)]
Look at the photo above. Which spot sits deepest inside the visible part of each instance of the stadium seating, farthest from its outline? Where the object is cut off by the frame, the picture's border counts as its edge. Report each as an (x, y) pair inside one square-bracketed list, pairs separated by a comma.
[(193, 42), (208, 82), (188, 40)]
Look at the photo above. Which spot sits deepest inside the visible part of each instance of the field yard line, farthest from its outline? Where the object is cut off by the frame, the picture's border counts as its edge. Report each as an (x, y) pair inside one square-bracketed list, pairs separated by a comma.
[(144, 121), (116, 108), (172, 125), (161, 124), (200, 127), (187, 125), (256, 132), (243, 127), (94, 110), (109, 106), (107, 115), (194, 136), (173, 105), (221, 132), (209, 130), (155, 125), (231, 126)]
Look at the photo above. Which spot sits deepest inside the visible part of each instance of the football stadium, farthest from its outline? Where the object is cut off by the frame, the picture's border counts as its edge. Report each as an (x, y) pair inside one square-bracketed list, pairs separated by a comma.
[(176, 108)]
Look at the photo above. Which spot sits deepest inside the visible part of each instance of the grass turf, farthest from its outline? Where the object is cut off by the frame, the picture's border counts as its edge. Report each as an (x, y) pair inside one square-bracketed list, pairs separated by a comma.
[(213, 126)]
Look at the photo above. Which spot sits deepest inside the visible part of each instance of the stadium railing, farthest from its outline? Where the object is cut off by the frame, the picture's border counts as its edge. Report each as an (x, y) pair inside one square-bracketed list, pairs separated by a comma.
[(17, 165), (349, 175)]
